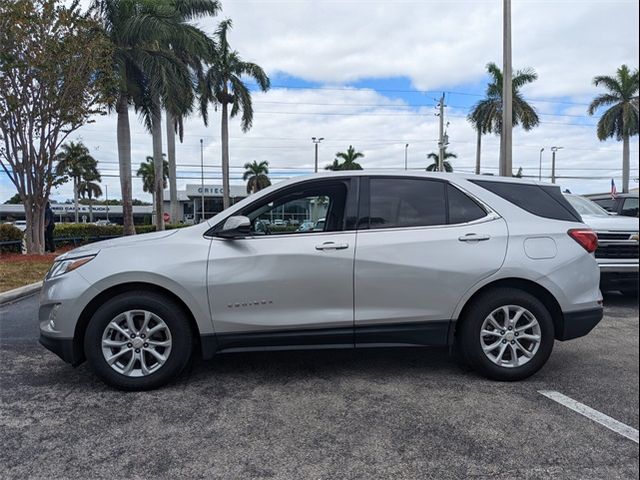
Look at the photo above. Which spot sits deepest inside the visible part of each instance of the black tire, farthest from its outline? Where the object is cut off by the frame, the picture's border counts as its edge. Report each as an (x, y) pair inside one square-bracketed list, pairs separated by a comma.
[(469, 334), (173, 316)]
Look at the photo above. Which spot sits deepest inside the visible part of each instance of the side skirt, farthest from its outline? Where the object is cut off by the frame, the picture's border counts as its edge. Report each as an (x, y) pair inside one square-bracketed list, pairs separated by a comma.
[(433, 333)]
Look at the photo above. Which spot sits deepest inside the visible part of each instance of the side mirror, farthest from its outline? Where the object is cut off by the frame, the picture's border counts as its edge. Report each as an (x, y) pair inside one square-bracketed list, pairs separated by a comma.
[(236, 227)]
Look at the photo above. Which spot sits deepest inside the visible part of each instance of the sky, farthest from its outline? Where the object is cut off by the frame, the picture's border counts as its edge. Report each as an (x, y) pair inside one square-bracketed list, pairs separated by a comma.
[(369, 73)]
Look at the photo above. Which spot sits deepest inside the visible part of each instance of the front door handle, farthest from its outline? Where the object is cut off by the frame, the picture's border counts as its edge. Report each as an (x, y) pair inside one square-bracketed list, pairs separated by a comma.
[(474, 237), (332, 246)]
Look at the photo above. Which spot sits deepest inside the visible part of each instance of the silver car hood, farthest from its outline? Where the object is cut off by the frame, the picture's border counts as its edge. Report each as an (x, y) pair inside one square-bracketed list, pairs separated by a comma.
[(94, 248), (612, 223)]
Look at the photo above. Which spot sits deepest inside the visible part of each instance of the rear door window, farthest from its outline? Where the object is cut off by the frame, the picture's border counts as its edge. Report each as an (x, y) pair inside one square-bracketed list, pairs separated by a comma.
[(406, 202)]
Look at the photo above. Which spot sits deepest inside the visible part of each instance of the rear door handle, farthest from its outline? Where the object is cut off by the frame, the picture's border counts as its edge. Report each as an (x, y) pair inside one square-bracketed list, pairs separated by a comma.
[(474, 237), (332, 246)]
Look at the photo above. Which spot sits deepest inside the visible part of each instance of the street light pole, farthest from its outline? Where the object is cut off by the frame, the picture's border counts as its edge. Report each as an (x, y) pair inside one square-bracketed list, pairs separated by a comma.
[(506, 164), (106, 195), (540, 168), (553, 163), (202, 178), (316, 142), (406, 149)]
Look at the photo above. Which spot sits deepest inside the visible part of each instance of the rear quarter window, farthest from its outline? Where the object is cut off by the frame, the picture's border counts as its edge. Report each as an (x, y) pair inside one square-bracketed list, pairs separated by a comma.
[(543, 201)]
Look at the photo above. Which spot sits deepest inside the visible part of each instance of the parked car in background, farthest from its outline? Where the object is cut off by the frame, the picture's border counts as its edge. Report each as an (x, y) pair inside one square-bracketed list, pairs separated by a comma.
[(20, 224), (103, 222), (497, 266), (319, 226), (625, 204), (278, 222), (306, 226), (618, 247)]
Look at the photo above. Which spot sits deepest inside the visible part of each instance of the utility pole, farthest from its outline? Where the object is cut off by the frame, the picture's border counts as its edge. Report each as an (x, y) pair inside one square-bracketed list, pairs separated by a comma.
[(553, 163), (506, 161), (540, 167), (316, 141), (441, 145), (201, 179), (106, 195), (406, 149)]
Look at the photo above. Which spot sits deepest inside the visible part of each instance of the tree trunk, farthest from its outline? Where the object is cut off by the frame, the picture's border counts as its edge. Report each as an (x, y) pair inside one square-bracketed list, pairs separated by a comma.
[(625, 164), (224, 138), (34, 215), (124, 161), (75, 196), (174, 210), (158, 170), (478, 151), (90, 210)]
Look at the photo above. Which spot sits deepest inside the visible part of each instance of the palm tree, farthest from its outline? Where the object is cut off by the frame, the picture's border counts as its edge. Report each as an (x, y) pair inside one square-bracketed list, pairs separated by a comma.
[(140, 33), (486, 115), (89, 189), (620, 120), (256, 176), (176, 112), (436, 161), (348, 160), (76, 162), (223, 85), (148, 174)]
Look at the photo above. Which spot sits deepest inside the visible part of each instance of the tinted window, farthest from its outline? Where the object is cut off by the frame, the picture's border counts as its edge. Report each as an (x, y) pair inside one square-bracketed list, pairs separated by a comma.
[(606, 203), (396, 202), (463, 209), (542, 201), (630, 207)]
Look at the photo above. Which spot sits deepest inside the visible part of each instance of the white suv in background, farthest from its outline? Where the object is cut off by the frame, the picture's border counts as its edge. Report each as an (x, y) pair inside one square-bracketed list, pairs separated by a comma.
[(500, 267), (618, 245)]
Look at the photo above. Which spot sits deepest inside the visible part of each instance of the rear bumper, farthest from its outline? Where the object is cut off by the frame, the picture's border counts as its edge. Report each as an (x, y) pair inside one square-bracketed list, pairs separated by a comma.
[(578, 324), (63, 347)]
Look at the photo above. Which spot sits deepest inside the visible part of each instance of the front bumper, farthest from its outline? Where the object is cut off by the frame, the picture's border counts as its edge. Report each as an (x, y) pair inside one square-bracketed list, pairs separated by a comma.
[(63, 347), (578, 324)]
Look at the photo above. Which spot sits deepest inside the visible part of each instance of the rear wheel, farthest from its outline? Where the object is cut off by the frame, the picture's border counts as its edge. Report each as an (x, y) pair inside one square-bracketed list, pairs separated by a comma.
[(138, 341), (507, 334)]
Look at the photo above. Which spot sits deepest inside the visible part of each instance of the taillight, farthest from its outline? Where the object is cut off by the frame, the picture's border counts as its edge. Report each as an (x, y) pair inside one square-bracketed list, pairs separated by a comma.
[(586, 237)]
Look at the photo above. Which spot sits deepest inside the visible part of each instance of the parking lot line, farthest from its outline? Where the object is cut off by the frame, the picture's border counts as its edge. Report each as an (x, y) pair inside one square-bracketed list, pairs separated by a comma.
[(599, 417)]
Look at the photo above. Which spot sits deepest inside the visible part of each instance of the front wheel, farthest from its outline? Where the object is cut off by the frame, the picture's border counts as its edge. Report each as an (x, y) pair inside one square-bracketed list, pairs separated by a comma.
[(506, 335), (138, 341)]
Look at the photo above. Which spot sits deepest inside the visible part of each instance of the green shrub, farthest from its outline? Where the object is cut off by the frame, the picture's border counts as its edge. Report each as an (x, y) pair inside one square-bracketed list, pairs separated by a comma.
[(79, 233), (10, 233)]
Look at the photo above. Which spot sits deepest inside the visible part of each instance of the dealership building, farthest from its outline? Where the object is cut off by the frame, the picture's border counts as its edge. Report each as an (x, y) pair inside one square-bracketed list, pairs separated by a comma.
[(190, 207)]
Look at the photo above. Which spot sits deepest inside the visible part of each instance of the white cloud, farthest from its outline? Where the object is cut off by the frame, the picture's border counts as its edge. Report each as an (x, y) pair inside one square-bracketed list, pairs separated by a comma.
[(436, 44)]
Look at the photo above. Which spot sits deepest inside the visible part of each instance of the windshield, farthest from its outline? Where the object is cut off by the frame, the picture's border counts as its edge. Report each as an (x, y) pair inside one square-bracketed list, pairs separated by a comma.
[(584, 206)]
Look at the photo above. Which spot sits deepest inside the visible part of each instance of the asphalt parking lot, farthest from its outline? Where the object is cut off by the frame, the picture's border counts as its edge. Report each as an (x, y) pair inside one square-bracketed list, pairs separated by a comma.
[(383, 413)]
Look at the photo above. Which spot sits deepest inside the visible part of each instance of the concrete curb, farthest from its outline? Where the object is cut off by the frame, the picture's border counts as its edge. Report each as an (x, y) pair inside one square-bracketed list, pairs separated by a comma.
[(18, 293)]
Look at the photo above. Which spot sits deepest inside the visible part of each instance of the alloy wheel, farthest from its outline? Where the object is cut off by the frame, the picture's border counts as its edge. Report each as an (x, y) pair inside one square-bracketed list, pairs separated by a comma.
[(136, 343), (510, 336)]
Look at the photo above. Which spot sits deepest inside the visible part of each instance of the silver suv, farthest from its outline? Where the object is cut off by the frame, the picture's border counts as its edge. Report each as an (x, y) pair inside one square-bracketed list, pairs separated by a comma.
[(498, 267)]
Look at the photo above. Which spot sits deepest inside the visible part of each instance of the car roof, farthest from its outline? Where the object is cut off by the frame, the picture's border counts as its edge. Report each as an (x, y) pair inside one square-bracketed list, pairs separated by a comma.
[(417, 174)]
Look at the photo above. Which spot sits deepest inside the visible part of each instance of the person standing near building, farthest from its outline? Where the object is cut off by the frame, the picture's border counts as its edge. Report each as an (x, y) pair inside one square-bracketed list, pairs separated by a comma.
[(49, 226)]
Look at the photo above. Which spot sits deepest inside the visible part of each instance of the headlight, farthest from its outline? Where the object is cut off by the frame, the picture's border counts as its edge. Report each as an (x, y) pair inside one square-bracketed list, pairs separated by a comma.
[(64, 266)]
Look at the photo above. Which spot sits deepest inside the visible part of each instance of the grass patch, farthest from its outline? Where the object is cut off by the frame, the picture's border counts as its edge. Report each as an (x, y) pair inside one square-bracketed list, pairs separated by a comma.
[(18, 270)]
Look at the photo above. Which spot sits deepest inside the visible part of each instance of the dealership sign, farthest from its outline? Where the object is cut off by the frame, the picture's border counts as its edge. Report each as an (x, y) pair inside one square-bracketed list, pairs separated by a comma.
[(214, 190)]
